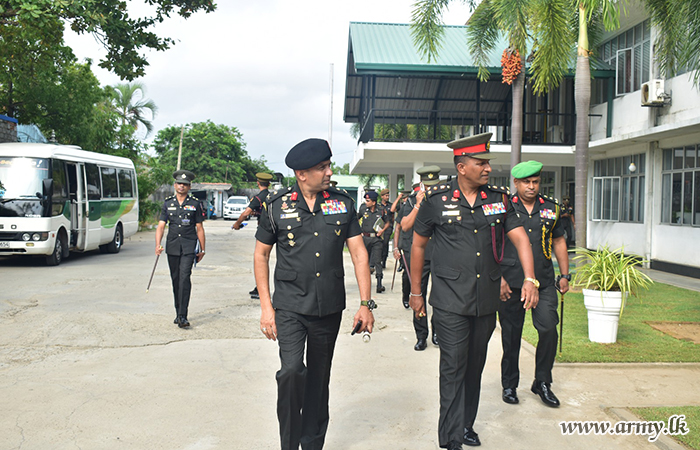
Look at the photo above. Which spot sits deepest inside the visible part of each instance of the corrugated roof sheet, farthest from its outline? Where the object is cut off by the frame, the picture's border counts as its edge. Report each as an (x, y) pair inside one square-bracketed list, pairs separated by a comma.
[(380, 47)]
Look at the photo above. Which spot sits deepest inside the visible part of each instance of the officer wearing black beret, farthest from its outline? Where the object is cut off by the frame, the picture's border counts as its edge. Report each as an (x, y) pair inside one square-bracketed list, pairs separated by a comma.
[(541, 220), (254, 209), (184, 214), (310, 223), (467, 221)]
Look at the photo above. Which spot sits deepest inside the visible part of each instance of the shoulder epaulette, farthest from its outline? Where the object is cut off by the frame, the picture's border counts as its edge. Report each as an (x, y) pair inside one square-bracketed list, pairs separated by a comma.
[(169, 198), (553, 200), (501, 189), (342, 192), (437, 189), (274, 195)]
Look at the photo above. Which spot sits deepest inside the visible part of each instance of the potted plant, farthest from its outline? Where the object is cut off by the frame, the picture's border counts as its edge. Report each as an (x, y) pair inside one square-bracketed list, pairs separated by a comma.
[(607, 278)]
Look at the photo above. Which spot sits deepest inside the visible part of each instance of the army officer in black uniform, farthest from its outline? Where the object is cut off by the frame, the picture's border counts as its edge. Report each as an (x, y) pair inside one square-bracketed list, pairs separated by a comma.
[(541, 220), (310, 223), (185, 215), (372, 235), (468, 221)]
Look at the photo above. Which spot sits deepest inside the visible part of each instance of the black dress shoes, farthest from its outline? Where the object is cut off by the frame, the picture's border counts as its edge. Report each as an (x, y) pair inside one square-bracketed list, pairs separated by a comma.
[(471, 438), (420, 345), (177, 320), (510, 396), (544, 390), (183, 323), (435, 340), (254, 293), (406, 304), (454, 445)]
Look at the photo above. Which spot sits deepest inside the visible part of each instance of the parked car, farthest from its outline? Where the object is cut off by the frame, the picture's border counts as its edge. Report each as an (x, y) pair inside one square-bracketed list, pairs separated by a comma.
[(234, 207)]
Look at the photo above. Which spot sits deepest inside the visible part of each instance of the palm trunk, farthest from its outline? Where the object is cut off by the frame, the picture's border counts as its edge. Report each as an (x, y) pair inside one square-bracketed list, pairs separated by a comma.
[(582, 96), (516, 125)]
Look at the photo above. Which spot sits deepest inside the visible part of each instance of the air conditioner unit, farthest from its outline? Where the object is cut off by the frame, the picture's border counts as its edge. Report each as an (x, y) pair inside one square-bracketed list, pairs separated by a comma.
[(653, 93)]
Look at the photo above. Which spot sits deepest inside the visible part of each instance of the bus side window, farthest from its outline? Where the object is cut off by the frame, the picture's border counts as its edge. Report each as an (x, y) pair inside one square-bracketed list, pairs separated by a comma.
[(94, 186), (126, 185), (109, 182), (60, 191)]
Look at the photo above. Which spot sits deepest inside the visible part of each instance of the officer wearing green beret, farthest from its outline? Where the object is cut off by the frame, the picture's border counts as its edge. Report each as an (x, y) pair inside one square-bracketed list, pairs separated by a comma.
[(467, 222), (429, 176), (310, 223), (185, 215), (542, 221), (254, 209)]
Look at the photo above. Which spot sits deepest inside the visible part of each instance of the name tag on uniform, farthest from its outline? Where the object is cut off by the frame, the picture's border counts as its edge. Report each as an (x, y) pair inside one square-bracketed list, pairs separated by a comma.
[(289, 215), (171, 208), (189, 208), (450, 213), (548, 214), (333, 207), (494, 208)]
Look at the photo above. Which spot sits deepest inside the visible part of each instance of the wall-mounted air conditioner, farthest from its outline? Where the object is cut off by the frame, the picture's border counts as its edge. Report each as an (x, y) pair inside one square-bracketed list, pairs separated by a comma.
[(653, 93)]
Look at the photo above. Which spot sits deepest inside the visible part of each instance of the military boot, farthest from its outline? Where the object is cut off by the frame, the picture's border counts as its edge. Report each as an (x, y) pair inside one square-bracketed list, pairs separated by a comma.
[(380, 288)]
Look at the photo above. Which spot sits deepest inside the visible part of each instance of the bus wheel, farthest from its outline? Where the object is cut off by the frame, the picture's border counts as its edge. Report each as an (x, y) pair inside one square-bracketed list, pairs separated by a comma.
[(116, 244), (56, 257)]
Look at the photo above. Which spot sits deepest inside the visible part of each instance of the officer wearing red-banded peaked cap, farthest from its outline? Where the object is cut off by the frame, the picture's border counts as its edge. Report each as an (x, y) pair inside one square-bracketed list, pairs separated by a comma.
[(477, 146), (307, 154)]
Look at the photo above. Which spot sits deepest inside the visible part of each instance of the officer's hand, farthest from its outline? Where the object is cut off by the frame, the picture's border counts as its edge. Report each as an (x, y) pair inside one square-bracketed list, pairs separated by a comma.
[(200, 255), (367, 318), (159, 249), (563, 285), (417, 304), (379, 233), (529, 295), (505, 290), (267, 323), (419, 197), (236, 226), (397, 253)]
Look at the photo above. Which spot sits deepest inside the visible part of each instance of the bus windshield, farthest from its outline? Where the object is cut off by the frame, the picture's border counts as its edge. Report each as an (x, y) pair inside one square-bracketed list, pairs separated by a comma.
[(21, 178)]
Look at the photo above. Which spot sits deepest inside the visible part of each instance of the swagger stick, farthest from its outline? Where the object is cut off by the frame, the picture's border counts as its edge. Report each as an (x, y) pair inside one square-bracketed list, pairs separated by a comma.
[(561, 315), (393, 278), (152, 272)]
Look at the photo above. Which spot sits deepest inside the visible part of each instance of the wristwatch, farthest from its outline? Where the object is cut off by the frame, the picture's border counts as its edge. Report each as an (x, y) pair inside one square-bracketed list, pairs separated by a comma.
[(533, 281), (369, 304), (567, 277)]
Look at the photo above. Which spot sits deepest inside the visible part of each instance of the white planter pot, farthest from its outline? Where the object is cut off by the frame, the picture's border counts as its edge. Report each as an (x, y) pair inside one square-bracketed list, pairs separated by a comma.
[(603, 314)]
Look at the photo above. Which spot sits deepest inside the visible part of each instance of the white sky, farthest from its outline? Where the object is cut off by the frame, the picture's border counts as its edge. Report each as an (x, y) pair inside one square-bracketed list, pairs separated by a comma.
[(262, 66)]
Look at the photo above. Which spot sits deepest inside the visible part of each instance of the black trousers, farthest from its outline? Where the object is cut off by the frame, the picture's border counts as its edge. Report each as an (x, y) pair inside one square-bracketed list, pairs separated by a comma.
[(386, 238), (302, 390), (511, 316), (463, 345), (180, 272), (373, 245), (420, 325)]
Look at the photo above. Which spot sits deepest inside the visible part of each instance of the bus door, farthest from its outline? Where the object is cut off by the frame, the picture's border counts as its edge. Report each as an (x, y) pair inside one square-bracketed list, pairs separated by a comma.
[(78, 204)]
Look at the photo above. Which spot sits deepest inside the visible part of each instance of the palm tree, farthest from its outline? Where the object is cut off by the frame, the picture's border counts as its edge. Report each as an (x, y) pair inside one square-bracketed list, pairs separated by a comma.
[(130, 105), (552, 40)]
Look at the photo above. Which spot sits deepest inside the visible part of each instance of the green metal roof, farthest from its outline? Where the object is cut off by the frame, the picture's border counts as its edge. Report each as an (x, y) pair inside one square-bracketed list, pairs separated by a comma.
[(388, 47)]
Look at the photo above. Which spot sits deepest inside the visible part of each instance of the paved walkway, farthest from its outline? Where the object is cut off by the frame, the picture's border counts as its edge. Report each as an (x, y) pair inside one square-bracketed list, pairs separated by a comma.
[(680, 281), (117, 374)]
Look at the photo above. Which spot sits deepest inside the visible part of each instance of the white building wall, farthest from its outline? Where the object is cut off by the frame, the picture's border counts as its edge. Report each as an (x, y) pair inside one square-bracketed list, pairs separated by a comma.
[(676, 244)]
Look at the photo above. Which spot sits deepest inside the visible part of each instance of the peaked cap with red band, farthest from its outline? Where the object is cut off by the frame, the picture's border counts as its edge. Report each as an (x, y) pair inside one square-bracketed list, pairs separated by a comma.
[(477, 146)]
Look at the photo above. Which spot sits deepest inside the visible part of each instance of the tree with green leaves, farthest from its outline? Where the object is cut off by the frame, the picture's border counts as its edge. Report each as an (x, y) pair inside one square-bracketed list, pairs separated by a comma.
[(677, 43), (216, 153), (547, 25), (130, 104), (124, 37)]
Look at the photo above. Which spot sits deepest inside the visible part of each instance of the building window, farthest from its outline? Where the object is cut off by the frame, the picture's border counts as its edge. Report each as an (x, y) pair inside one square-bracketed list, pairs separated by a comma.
[(630, 54), (680, 187), (618, 189)]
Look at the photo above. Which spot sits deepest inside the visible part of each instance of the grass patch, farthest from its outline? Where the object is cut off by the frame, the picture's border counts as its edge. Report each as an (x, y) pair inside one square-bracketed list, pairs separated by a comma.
[(636, 340), (692, 420)]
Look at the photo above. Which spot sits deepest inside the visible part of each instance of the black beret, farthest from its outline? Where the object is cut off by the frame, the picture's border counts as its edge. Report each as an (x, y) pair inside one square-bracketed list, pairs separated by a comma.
[(307, 154), (372, 195)]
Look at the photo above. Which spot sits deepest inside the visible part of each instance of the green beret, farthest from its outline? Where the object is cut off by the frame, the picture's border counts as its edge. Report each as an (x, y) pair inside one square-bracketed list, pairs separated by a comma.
[(526, 169), (429, 175)]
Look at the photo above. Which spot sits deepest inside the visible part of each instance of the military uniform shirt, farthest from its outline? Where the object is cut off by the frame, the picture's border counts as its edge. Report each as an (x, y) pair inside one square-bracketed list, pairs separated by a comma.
[(406, 238), (368, 218), (183, 220), (257, 201), (545, 213), (466, 276), (309, 274)]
